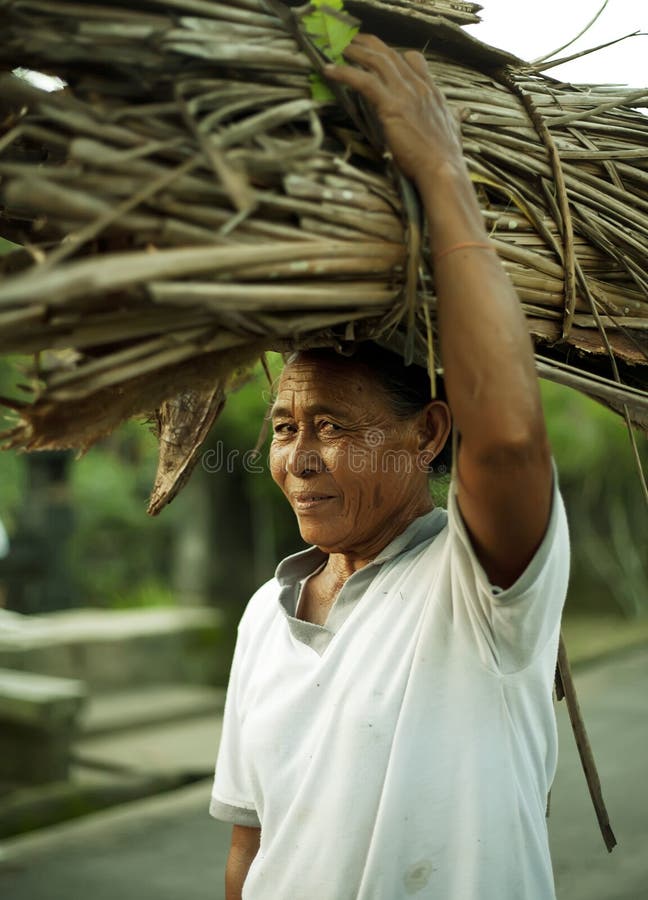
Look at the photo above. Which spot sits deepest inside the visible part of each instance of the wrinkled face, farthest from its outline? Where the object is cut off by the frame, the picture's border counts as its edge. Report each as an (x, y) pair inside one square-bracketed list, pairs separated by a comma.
[(349, 467)]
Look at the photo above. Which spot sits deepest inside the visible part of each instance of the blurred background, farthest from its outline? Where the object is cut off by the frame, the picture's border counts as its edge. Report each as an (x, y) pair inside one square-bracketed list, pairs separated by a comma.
[(116, 630)]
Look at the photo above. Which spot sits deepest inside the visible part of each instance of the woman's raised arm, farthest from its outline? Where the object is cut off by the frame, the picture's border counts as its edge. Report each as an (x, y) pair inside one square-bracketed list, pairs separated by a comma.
[(504, 475)]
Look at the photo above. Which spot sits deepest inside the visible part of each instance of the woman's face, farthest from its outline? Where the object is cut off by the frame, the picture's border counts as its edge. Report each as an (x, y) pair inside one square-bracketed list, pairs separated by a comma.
[(352, 471)]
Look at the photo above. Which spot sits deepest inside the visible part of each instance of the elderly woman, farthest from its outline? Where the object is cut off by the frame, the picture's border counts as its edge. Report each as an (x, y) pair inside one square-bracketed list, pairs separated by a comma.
[(389, 729)]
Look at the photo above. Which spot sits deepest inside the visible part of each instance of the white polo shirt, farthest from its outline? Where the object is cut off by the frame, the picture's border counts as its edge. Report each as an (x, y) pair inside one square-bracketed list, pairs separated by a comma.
[(406, 748)]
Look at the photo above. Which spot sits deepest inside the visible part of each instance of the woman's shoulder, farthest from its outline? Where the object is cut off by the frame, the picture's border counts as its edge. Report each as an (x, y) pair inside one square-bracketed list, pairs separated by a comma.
[(261, 607)]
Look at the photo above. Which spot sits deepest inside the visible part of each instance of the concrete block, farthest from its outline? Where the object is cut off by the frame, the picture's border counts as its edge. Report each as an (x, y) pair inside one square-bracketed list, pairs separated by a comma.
[(39, 718), (114, 649)]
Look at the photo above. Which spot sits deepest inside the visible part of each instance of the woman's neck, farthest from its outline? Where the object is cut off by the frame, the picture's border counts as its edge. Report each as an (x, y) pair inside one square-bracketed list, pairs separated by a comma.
[(341, 565)]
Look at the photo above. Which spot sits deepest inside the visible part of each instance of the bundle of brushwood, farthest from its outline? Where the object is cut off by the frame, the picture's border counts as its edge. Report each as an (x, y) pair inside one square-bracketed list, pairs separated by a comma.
[(195, 196)]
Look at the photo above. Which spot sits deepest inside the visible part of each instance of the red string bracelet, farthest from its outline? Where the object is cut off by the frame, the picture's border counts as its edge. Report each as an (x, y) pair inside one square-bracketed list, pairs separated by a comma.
[(482, 245)]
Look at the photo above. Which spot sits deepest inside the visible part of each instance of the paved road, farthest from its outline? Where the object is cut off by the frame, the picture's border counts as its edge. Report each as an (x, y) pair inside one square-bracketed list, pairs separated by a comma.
[(164, 848), (167, 848), (614, 699)]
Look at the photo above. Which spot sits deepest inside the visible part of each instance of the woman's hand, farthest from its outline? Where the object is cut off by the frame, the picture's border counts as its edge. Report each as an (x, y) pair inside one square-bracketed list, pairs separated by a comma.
[(420, 130)]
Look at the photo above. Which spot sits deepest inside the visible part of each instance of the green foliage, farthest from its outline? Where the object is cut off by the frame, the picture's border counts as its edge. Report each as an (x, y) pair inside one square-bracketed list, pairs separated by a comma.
[(439, 487), (12, 465), (248, 406), (267, 530), (12, 485), (146, 594), (6, 246), (331, 30), (244, 422), (119, 556), (586, 435), (605, 505), (319, 89)]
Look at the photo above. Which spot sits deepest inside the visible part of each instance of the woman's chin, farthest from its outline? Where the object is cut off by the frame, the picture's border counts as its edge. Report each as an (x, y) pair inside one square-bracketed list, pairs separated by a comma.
[(311, 534), (317, 534)]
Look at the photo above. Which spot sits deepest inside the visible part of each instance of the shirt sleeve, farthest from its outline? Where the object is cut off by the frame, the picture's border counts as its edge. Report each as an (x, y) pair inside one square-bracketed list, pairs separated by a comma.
[(510, 627), (232, 797)]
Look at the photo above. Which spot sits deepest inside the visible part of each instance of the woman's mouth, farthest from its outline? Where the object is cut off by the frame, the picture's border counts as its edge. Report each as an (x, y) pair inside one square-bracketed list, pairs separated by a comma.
[(306, 500)]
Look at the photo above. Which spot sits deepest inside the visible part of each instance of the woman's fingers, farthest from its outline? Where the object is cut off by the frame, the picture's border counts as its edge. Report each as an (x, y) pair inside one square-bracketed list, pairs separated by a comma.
[(375, 55), (410, 107), (386, 64), (418, 62), (410, 59), (384, 72), (366, 83)]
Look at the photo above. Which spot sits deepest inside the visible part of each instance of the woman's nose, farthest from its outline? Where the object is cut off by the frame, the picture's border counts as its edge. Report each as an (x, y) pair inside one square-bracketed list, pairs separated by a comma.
[(304, 457)]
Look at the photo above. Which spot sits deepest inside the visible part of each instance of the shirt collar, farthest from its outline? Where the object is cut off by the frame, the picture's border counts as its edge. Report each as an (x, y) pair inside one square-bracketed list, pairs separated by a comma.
[(300, 565)]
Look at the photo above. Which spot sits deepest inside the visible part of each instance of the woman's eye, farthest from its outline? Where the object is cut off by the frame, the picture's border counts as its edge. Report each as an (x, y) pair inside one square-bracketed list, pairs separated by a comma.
[(329, 426)]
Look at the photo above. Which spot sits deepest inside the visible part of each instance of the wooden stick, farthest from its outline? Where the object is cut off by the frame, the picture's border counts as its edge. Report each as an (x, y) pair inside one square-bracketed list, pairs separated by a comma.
[(565, 688)]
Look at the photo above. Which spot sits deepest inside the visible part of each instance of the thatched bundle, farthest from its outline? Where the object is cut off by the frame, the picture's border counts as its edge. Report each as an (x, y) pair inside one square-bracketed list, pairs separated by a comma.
[(185, 205)]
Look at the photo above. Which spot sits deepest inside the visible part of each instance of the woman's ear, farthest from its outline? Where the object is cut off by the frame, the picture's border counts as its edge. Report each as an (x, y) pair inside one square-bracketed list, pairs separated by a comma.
[(435, 428)]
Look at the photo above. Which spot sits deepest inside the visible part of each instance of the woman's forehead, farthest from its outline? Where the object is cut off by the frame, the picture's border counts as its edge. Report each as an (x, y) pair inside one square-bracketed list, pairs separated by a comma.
[(312, 373), (313, 381)]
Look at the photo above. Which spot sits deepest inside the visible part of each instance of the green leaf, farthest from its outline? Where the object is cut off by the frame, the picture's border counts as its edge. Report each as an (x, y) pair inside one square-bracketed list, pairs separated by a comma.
[(320, 89), (331, 29)]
